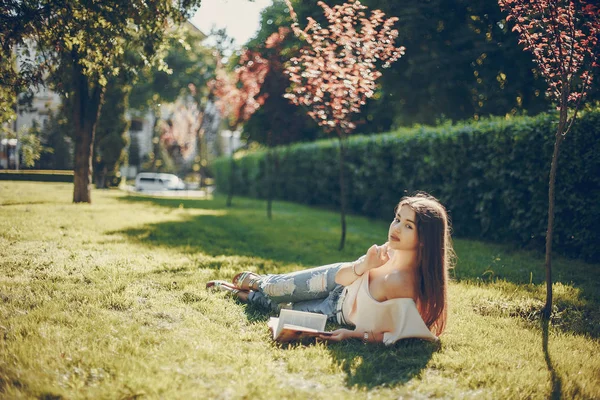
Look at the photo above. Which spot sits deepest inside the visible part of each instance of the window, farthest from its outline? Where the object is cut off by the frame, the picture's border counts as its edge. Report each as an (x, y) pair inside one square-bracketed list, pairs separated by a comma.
[(136, 125)]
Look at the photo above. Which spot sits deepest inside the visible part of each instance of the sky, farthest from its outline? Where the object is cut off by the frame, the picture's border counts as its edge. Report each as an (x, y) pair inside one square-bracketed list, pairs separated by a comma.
[(241, 18)]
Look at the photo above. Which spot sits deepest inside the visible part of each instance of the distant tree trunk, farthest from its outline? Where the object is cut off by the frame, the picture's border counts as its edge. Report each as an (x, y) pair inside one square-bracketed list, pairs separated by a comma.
[(199, 152), (103, 182), (231, 174), (86, 110), (562, 123), (155, 139), (101, 171), (17, 150), (342, 139), (206, 121), (269, 171)]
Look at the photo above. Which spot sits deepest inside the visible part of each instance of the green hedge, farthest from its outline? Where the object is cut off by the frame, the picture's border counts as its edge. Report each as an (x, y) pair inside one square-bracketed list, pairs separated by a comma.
[(492, 176), (37, 175)]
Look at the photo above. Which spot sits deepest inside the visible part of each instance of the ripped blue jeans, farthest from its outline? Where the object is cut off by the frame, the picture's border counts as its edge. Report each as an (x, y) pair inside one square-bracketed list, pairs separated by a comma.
[(311, 290)]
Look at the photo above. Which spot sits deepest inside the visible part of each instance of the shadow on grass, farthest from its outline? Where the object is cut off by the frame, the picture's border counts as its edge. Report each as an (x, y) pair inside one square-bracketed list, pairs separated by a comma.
[(372, 365), (555, 379), (243, 230), (520, 275), (10, 203), (570, 313), (207, 203), (376, 365)]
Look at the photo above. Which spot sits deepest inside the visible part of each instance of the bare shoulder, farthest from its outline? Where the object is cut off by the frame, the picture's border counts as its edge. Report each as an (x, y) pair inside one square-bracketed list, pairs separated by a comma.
[(398, 285)]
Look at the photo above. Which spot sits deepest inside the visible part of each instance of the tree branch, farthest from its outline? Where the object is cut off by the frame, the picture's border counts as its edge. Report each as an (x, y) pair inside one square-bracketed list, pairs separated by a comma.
[(577, 106)]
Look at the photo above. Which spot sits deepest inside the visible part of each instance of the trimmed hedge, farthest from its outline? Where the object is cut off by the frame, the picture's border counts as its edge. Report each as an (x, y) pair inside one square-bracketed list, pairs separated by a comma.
[(491, 175), (37, 175)]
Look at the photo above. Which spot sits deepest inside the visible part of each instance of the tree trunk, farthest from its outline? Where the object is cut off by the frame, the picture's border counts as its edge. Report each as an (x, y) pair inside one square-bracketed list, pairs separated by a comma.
[(547, 311), (86, 110), (155, 138), (231, 173), (17, 150), (269, 170), (101, 178), (201, 140), (199, 157), (204, 130), (342, 190)]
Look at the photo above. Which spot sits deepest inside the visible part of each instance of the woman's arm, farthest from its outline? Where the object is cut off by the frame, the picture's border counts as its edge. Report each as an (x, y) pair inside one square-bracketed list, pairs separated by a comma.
[(376, 256), (365, 336)]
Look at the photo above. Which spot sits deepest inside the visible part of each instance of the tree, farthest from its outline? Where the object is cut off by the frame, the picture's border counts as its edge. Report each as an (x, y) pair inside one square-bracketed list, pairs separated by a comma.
[(275, 82), (190, 66), (337, 71), (8, 101), (562, 35), (267, 122), (111, 139), (56, 135), (89, 40), (265, 125), (31, 147), (239, 95), (463, 64)]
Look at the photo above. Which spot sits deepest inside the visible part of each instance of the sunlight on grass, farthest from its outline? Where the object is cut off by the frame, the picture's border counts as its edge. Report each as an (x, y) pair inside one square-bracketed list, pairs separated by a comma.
[(107, 301)]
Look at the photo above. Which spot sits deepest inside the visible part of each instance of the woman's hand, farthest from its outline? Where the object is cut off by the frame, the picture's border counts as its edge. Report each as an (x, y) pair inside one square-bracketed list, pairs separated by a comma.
[(339, 335), (376, 256)]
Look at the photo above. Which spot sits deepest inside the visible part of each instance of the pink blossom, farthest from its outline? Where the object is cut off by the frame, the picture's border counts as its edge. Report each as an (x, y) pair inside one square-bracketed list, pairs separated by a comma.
[(238, 95), (336, 71), (563, 36)]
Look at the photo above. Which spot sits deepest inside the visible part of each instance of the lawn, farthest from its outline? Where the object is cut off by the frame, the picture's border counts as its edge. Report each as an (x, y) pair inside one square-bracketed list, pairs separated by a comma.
[(108, 301)]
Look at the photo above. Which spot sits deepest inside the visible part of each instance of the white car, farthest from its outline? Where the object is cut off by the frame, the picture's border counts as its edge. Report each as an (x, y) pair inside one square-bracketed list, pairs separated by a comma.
[(154, 182)]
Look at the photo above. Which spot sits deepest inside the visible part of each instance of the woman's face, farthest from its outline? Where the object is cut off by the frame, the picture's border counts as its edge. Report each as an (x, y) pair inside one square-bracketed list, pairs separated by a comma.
[(402, 234)]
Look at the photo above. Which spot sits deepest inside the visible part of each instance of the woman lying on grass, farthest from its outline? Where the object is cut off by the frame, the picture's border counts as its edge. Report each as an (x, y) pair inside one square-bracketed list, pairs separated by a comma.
[(394, 291)]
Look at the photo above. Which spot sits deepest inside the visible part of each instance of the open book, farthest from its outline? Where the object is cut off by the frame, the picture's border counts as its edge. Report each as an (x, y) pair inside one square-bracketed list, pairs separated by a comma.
[(297, 325)]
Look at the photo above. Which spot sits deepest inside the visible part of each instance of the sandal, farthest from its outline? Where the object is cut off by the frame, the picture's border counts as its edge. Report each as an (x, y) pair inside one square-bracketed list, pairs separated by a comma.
[(246, 280), (227, 287), (222, 285)]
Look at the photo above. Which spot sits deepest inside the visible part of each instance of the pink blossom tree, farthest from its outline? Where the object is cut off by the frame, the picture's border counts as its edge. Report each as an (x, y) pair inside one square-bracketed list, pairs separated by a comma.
[(562, 36), (337, 70), (239, 95)]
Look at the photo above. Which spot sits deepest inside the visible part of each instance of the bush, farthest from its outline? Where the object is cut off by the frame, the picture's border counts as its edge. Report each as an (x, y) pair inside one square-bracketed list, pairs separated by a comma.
[(491, 175), (37, 175)]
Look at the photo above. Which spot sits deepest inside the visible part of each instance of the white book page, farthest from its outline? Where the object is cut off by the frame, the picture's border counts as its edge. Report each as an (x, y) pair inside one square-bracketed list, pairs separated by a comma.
[(300, 318), (275, 326)]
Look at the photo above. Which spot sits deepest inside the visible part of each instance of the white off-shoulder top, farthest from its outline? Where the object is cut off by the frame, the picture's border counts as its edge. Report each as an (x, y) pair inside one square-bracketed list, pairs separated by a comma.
[(396, 318)]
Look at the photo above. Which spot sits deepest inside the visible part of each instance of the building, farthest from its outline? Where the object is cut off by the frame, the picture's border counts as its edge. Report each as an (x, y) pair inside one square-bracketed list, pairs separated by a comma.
[(28, 114), (43, 103), (8, 151)]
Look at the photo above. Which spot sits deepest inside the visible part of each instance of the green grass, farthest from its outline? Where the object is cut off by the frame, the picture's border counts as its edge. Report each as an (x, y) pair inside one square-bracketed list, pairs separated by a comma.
[(107, 301)]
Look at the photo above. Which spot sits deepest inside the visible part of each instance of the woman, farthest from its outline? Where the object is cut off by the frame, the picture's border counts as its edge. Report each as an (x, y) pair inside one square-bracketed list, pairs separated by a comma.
[(394, 291)]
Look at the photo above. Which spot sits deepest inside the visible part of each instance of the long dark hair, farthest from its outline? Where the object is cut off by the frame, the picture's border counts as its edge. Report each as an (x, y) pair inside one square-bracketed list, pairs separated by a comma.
[(436, 256)]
